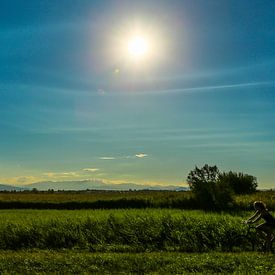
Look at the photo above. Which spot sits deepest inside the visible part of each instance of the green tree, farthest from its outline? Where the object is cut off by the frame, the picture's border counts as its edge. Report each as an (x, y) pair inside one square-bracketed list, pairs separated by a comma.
[(209, 191), (239, 182)]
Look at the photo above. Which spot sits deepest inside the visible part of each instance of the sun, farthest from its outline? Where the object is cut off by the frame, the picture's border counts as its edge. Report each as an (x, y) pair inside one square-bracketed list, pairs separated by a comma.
[(138, 47)]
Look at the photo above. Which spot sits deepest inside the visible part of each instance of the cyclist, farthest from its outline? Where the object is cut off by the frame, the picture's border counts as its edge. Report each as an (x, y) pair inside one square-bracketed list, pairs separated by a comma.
[(268, 226)]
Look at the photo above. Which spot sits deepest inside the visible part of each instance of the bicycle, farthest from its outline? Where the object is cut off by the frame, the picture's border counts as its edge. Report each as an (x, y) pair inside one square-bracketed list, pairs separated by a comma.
[(250, 241)]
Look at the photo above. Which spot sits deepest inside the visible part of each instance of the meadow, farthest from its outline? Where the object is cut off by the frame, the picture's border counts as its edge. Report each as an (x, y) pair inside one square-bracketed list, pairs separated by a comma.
[(154, 240), (119, 200), (83, 262), (132, 230)]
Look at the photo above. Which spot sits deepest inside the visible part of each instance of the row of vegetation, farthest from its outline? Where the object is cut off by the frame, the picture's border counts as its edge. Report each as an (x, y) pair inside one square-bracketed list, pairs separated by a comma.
[(75, 262), (131, 199), (121, 230)]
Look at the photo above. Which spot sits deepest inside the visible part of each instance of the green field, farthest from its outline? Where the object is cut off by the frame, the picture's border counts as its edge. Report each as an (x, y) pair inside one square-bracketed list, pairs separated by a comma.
[(76, 262), (123, 241), (119, 230), (121, 200)]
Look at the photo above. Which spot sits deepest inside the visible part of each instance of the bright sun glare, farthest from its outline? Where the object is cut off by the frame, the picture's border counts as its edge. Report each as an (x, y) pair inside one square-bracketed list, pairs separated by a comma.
[(138, 47)]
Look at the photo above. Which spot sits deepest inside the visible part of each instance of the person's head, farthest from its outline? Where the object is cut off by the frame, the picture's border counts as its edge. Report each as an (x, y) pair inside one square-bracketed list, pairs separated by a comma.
[(259, 205)]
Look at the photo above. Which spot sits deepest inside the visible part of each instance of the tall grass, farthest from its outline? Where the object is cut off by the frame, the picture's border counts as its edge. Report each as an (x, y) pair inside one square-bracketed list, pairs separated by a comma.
[(245, 202), (120, 230)]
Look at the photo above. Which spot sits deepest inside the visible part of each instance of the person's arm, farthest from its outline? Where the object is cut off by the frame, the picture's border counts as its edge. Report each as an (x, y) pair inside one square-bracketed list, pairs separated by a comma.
[(254, 217)]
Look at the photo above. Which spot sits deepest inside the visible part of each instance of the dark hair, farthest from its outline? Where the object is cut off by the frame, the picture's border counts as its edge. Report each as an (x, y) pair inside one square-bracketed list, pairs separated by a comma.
[(260, 205)]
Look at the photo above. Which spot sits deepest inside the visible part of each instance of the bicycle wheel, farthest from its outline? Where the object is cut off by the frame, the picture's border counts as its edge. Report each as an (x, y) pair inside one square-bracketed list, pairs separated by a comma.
[(242, 243)]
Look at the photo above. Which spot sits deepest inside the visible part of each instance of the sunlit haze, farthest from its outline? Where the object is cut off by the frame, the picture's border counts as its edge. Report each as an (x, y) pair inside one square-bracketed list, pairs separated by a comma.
[(138, 47)]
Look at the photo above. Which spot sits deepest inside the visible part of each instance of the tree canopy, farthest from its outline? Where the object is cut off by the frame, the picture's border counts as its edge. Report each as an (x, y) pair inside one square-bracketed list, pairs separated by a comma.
[(239, 182), (214, 189)]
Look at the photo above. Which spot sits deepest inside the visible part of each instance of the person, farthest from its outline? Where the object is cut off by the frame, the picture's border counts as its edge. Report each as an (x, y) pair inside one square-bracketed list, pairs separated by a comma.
[(266, 228)]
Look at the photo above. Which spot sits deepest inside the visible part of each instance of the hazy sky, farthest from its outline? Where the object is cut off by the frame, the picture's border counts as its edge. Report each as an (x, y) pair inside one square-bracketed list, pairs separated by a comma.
[(73, 105)]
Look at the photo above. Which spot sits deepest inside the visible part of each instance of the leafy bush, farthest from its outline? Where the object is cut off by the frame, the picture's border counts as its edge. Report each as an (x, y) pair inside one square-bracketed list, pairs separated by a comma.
[(213, 189), (239, 182), (209, 191)]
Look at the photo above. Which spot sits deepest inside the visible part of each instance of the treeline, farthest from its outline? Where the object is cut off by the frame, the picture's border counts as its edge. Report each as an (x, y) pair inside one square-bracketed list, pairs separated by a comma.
[(215, 190)]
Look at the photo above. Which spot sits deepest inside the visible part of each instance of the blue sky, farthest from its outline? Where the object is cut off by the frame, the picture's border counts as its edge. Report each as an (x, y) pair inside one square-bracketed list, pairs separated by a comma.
[(73, 106)]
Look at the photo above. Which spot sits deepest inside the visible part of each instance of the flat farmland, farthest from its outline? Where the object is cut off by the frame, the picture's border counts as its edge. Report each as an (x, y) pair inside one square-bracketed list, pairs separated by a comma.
[(120, 200), (150, 240), (128, 230), (83, 262), (130, 241)]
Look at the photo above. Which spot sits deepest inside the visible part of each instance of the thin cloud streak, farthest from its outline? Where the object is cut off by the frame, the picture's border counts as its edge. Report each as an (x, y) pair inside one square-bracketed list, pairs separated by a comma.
[(61, 174), (141, 155), (92, 170), (107, 158), (210, 88), (92, 91)]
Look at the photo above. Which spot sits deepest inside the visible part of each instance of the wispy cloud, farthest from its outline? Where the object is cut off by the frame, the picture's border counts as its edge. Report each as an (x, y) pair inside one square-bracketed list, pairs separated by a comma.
[(19, 180), (61, 174), (107, 158), (225, 86), (141, 155), (101, 92), (92, 170), (201, 89)]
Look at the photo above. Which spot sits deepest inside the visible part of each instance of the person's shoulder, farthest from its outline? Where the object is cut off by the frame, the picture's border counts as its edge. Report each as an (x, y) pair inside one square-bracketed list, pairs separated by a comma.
[(261, 212), (264, 212)]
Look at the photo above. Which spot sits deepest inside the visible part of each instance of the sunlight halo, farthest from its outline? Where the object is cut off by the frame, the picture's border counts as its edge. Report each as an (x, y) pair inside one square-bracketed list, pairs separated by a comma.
[(138, 47)]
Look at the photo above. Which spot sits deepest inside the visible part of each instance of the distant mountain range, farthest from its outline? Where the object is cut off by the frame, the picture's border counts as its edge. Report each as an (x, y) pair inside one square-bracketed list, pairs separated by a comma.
[(98, 185), (88, 184), (5, 187)]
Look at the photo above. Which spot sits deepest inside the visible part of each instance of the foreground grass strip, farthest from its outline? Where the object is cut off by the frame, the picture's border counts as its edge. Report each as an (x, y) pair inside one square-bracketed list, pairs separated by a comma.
[(120, 230), (68, 261)]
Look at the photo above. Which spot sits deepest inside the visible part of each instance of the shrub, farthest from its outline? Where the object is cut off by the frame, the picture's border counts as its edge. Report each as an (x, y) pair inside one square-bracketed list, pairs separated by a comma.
[(209, 191), (239, 182)]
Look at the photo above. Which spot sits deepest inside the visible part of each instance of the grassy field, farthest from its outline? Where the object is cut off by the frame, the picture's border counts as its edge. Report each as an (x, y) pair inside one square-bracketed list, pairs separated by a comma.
[(120, 230), (126, 241), (245, 201), (122, 200), (84, 196), (76, 262)]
